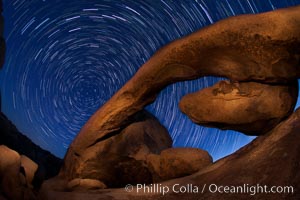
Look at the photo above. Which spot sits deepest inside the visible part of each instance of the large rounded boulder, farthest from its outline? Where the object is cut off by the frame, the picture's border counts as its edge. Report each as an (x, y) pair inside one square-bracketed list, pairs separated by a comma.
[(250, 107), (121, 158)]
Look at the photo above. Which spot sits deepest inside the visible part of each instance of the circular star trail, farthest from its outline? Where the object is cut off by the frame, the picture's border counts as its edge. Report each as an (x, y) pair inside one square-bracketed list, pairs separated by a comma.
[(66, 58)]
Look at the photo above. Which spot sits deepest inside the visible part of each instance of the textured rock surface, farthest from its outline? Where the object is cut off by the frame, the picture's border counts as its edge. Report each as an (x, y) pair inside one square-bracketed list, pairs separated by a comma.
[(262, 47), (8, 159), (271, 160), (121, 158), (249, 107), (177, 162)]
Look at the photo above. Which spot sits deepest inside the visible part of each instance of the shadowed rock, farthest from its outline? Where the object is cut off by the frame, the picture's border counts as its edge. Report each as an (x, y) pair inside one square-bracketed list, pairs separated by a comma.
[(250, 107), (262, 47)]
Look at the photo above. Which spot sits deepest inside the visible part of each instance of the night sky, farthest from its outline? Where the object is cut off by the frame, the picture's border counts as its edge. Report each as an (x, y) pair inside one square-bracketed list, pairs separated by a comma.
[(66, 58)]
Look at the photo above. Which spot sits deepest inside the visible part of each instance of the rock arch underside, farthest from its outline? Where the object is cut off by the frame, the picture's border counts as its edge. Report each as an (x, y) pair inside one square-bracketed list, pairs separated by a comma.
[(123, 144)]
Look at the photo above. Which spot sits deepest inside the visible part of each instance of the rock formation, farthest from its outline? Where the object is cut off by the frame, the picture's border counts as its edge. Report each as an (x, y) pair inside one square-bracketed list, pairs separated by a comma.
[(271, 159), (139, 153), (249, 107), (257, 48)]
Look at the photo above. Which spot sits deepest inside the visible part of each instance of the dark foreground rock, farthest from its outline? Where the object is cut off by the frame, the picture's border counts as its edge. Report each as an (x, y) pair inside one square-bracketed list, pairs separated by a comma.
[(248, 107), (48, 164), (271, 160)]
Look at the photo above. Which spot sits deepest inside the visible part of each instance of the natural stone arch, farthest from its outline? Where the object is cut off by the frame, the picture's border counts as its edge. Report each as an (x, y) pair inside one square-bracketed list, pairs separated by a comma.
[(262, 48)]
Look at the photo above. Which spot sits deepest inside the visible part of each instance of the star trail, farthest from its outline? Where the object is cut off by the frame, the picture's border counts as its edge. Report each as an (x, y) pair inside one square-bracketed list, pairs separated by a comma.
[(66, 58)]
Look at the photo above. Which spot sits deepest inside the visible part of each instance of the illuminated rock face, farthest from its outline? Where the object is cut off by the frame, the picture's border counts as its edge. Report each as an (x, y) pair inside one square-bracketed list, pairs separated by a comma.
[(249, 107), (15, 175)]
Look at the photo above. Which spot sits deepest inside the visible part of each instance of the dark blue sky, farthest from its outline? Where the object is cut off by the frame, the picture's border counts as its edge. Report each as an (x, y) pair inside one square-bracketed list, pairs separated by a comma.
[(65, 58)]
